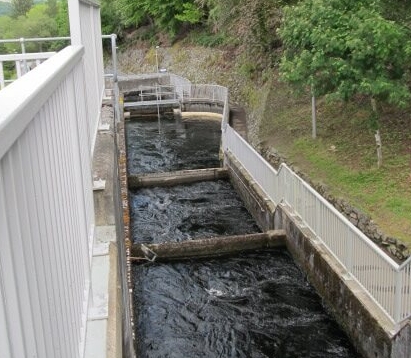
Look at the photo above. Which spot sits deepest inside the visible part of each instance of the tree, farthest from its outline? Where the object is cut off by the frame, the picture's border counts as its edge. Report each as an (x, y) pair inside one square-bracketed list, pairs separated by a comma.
[(21, 7), (166, 15), (109, 18), (341, 48), (52, 8)]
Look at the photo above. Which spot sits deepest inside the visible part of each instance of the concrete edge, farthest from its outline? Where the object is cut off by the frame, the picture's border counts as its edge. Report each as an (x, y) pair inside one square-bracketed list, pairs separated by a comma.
[(114, 327), (365, 323)]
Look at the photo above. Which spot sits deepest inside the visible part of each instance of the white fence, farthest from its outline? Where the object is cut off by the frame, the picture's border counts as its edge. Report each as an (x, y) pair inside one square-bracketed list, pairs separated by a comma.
[(387, 282), (48, 123), (23, 63), (190, 91)]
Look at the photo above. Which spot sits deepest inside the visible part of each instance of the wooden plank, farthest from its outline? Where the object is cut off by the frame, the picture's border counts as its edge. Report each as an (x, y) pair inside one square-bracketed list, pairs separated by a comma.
[(176, 177), (210, 247)]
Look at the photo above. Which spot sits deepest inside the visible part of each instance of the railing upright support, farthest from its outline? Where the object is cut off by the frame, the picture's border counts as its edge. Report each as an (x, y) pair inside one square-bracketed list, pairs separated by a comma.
[(23, 51), (114, 56), (2, 82), (398, 296)]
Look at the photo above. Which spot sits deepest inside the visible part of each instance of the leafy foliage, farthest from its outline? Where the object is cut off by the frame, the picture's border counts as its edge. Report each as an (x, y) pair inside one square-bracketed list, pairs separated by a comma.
[(37, 22), (21, 7), (252, 26), (52, 8), (166, 15), (191, 14), (109, 18), (345, 48)]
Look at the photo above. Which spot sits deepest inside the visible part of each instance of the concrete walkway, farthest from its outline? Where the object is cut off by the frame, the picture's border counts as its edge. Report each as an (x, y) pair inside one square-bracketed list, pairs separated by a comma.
[(103, 336)]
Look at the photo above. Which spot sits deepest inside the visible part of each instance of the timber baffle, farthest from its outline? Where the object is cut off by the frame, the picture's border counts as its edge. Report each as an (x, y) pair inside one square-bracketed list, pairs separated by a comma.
[(176, 177), (210, 247)]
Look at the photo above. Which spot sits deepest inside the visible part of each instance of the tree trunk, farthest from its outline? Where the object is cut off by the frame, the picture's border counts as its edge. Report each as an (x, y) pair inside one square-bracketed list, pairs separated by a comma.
[(377, 134), (314, 117)]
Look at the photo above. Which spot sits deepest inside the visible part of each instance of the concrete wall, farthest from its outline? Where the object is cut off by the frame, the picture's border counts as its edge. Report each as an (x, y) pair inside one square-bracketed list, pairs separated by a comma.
[(262, 210), (369, 329), (211, 107), (133, 83)]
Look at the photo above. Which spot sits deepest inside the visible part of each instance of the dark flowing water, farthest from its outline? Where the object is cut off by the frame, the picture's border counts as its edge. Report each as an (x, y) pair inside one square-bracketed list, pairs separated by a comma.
[(173, 144), (184, 212), (253, 305)]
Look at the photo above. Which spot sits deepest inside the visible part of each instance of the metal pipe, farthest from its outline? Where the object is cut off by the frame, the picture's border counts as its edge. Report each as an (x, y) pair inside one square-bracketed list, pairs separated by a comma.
[(157, 47), (34, 39), (114, 56)]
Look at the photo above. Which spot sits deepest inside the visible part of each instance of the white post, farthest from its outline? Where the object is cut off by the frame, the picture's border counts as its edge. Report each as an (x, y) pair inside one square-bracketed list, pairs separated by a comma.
[(398, 297), (157, 47), (114, 56), (2, 83), (75, 23), (18, 68), (23, 51)]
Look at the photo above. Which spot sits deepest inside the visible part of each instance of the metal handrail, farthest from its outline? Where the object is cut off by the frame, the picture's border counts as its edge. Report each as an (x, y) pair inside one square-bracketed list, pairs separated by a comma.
[(23, 41)]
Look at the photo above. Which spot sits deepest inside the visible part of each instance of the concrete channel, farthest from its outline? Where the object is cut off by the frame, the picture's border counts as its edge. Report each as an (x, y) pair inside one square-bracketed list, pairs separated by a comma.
[(367, 326)]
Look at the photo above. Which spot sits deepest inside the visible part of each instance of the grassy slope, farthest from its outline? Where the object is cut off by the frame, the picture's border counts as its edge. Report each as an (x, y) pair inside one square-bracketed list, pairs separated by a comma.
[(343, 157)]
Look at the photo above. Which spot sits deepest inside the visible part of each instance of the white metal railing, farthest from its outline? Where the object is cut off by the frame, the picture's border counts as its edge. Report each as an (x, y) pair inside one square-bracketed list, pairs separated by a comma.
[(190, 91), (388, 283), (48, 124), (24, 61), (46, 210)]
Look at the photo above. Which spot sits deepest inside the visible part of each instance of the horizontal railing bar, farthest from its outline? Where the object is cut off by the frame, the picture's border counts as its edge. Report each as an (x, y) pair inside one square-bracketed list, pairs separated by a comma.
[(26, 56), (34, 39), (43, 39)]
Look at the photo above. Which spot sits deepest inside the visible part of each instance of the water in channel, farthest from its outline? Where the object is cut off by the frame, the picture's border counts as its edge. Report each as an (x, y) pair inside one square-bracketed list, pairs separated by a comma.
[(172, 144), (252, 305), (185, 212), (255, 305)]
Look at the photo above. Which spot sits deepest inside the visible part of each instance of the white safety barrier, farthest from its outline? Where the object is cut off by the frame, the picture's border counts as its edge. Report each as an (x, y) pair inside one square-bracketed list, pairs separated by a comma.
[(48, 125), (46, 210), (387, 282)]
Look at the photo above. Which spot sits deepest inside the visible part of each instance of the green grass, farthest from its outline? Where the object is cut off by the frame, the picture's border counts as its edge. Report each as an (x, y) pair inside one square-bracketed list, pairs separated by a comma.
[(343, 156)]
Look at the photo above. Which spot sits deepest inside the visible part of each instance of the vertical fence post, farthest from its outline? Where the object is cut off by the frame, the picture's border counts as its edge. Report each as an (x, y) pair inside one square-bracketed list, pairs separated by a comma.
[(398, 296), (18, 68), (349, 254), (114, 56), (2, 83), (23, 51)]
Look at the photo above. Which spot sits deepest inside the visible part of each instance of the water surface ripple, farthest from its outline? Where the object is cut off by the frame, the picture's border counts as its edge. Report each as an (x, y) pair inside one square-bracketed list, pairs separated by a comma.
[(173, 144), (185, 212), (253, 305)]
